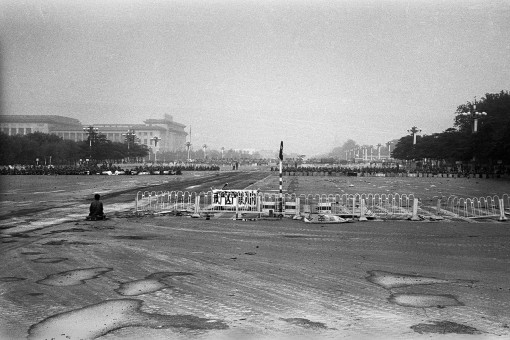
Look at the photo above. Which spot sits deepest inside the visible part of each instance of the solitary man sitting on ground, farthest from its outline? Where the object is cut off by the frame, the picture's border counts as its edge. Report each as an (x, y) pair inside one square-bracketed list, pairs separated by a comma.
[(96, 209)]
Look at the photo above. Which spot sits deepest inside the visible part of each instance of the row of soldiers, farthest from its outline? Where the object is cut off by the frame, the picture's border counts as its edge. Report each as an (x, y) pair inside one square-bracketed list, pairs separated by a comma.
[(99, 169), (370, 171)]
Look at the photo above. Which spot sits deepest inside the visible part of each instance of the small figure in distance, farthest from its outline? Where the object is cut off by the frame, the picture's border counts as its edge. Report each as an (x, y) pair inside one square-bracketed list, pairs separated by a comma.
[(96, 209)]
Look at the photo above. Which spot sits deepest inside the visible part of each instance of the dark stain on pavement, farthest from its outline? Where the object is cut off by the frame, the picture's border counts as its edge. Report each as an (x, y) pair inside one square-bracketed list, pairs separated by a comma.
[(62, 242), (11, 279), (164, 275), (132, 237), (444, 327), (35, 294), (115, 314), (71, 230), (32, 253), (20, 235), (49, 259), (305, 323)]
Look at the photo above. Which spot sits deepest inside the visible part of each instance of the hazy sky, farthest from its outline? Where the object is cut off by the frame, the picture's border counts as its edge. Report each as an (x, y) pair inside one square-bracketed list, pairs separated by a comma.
[(247, 74)]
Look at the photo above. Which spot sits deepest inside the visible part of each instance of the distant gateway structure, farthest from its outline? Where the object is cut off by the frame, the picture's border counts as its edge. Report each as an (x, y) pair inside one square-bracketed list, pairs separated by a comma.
[(171, 134)]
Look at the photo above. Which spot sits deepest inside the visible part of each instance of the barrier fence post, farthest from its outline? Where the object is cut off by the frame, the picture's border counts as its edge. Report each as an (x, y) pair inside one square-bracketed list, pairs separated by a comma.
[(362, 216), (438, 206), (197, 204), (259, 205), (237, 208), (298, 202), (502, 216), (415, 210)]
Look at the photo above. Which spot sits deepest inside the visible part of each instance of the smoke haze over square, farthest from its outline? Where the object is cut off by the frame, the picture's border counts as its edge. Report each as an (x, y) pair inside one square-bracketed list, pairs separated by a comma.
[(248, 74)]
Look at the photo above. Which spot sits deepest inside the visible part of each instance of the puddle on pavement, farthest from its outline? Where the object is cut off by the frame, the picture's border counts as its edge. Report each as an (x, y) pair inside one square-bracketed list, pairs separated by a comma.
[(35, 294), (140, 287), (11, 279), (393, 280), (305, 323), (444, 327), (73, 277), (49, 259), (424, 300), (150, 284), (96, 320)]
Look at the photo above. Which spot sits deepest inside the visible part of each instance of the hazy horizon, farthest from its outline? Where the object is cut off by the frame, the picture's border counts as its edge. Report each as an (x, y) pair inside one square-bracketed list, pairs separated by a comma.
[(248, 74)]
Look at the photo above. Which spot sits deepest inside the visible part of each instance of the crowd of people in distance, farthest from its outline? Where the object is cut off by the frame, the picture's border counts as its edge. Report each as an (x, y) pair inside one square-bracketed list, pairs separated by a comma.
[(102, 169), (395, 171)]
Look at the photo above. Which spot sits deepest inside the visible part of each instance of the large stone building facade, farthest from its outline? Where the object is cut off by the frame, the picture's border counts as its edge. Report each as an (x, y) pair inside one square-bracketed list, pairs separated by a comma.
[(171, 135)]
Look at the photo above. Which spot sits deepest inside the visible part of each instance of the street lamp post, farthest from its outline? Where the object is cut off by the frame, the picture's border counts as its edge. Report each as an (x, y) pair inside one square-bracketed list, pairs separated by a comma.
[(130, 138), (204, 147), (188, 145), (414, 131), (379, 151), (474, 115), (91, 131), (388, 144), (156, 140)]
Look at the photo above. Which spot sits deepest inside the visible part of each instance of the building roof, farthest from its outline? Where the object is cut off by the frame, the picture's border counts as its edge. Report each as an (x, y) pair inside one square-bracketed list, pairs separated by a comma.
[(48, 119)]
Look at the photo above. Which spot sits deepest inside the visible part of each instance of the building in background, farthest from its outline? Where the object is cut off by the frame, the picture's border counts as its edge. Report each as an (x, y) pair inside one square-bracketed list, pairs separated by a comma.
[(171, 135)]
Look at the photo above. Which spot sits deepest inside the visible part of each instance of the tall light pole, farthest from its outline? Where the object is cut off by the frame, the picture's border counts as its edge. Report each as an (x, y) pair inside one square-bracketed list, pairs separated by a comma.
[(156, 139), (388, 144), (130, 138), (188, 145), (414, 131), (474, 115), (91, 131), (379, 151)]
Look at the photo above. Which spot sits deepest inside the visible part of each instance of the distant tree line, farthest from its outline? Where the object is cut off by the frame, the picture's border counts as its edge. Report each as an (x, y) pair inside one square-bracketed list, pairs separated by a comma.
[(48, 149), (489, 145)]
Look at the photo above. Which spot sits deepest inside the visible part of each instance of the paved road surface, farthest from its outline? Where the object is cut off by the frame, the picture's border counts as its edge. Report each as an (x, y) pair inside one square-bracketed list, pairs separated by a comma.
[(180, 278)]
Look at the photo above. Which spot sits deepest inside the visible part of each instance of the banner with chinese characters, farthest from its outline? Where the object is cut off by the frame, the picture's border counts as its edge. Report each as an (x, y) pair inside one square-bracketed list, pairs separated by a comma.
[(229, 198)]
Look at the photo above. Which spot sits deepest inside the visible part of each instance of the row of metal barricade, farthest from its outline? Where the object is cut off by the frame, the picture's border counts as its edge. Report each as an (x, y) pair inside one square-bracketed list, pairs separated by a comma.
[(346, 205), (478, 207)]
